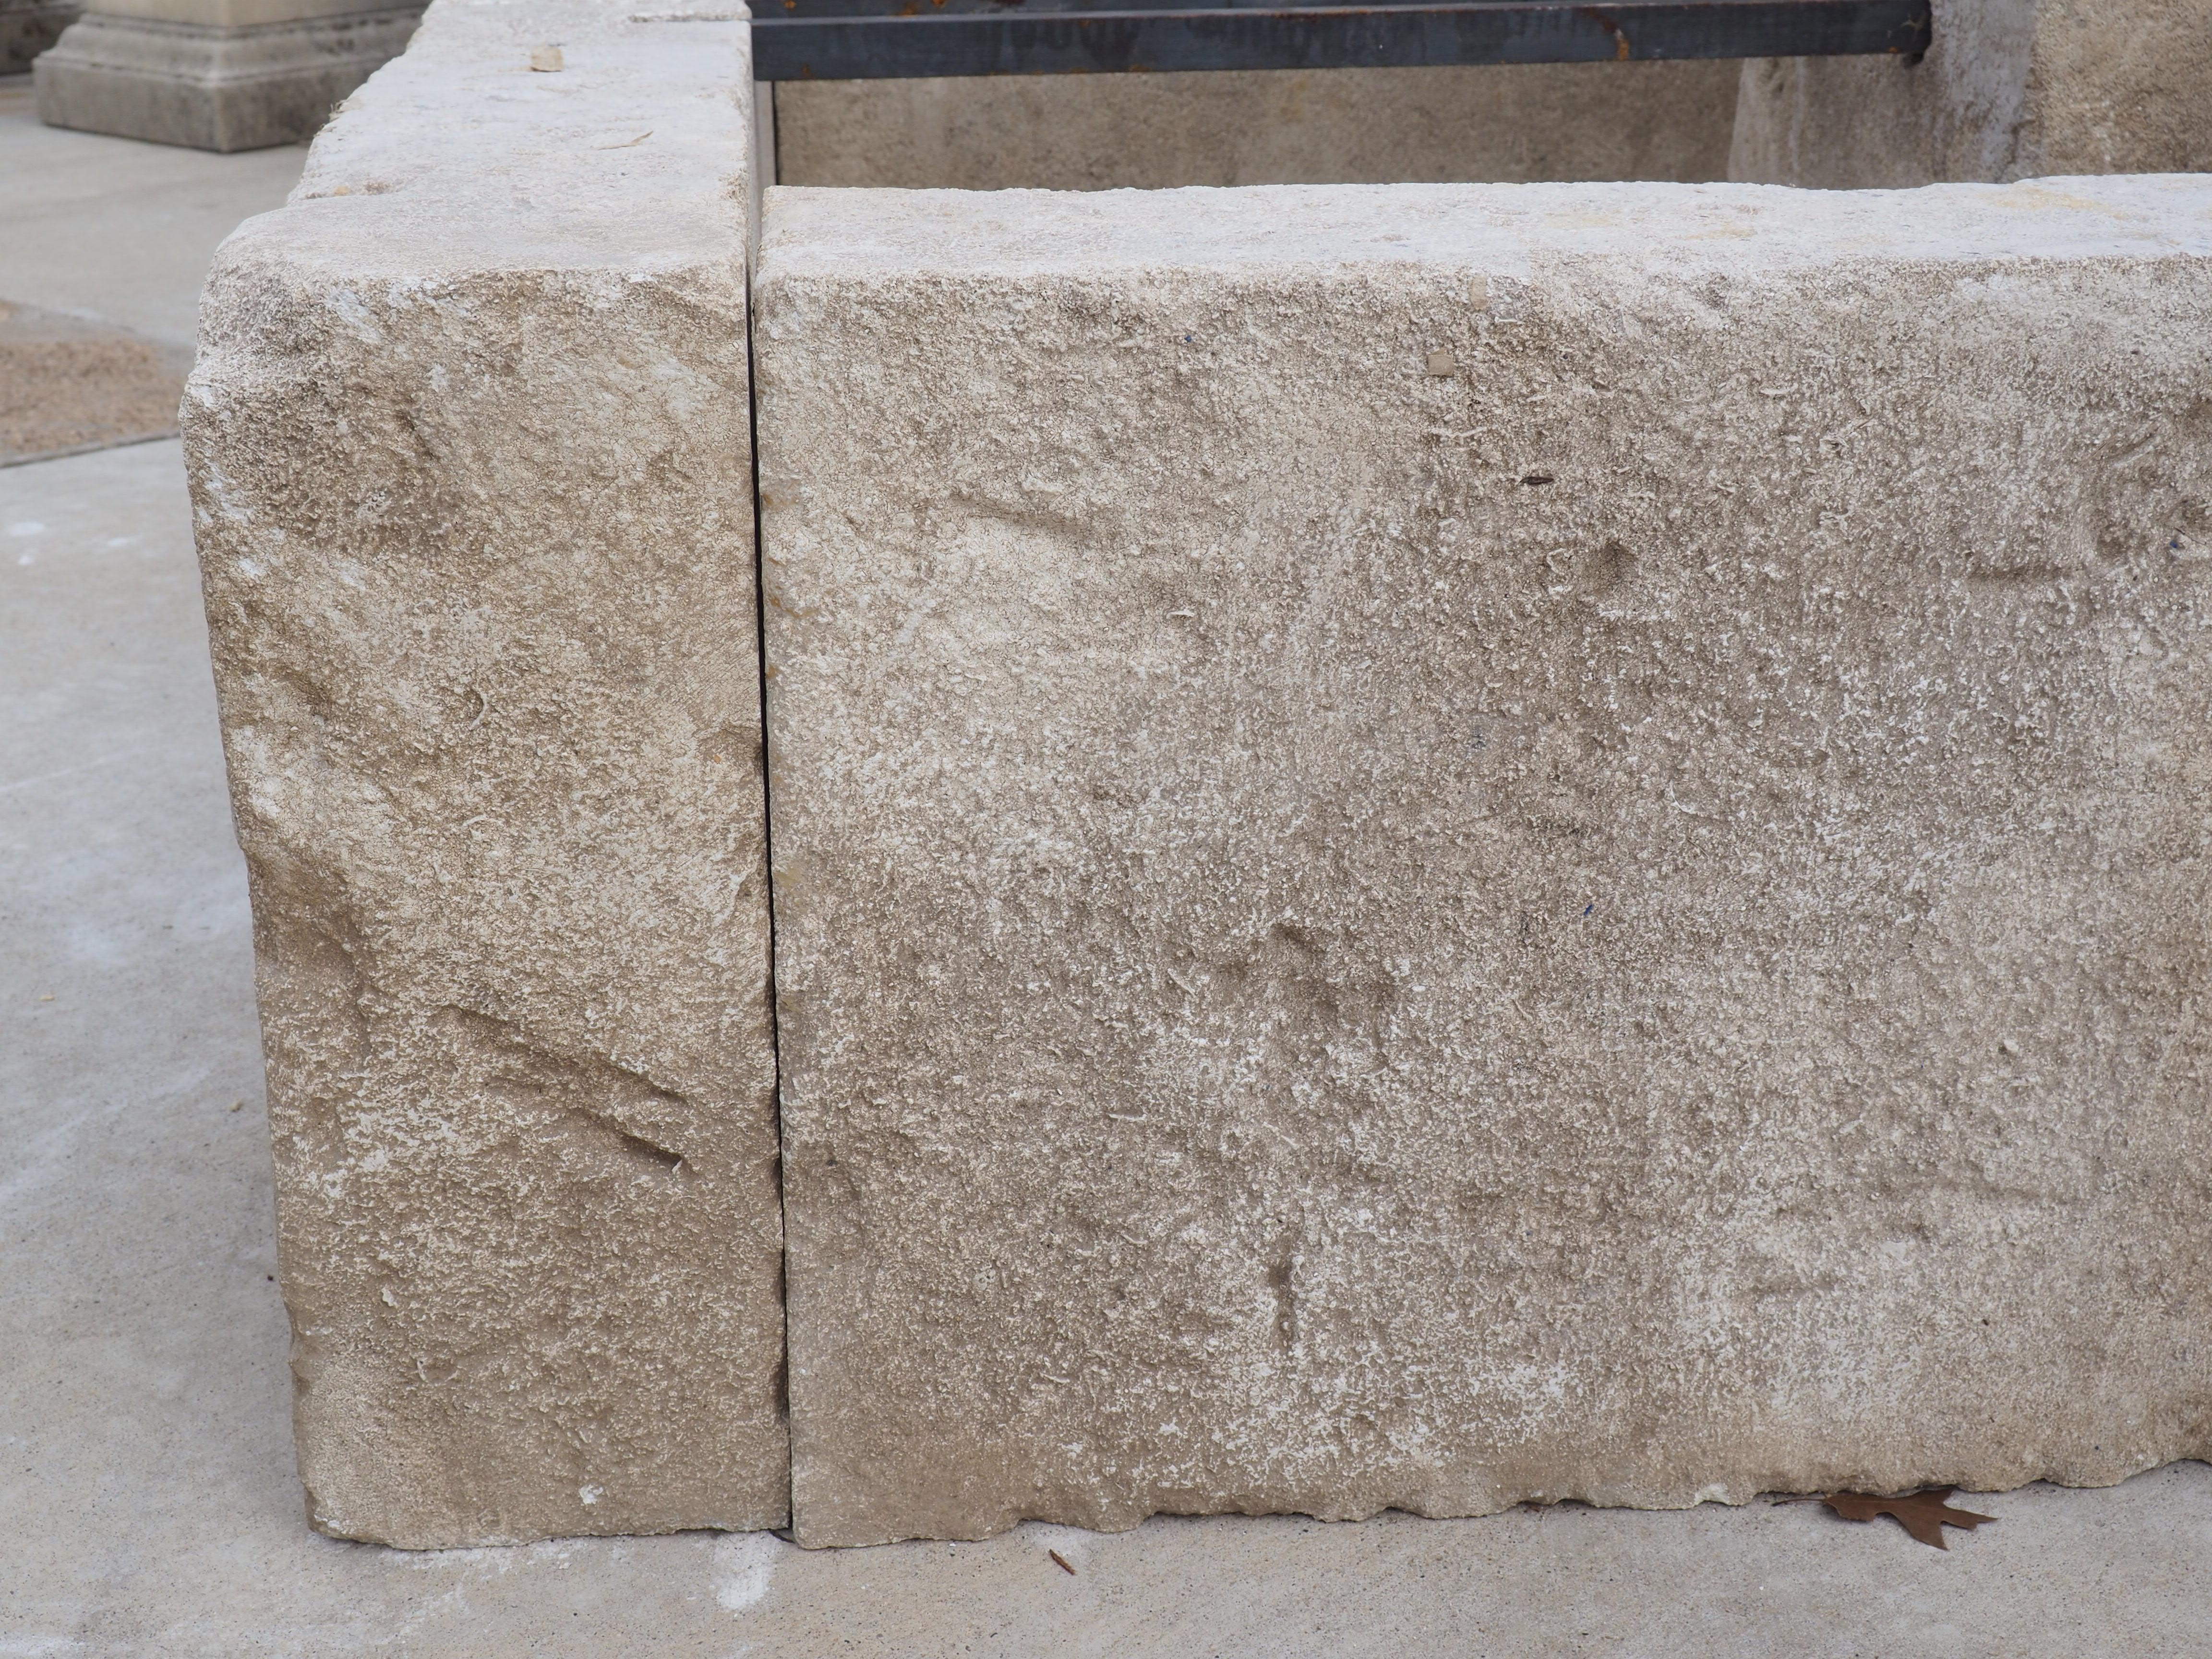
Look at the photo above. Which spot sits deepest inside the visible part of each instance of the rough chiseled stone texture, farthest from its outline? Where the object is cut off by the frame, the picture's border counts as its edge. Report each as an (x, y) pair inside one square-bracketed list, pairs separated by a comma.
[(2009, 89), (470, 458), (1491, 123), (1625, 921)]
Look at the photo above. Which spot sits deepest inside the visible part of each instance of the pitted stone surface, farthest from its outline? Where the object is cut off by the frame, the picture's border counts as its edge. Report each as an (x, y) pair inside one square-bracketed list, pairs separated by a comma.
[(470, 458), (1444, 845)]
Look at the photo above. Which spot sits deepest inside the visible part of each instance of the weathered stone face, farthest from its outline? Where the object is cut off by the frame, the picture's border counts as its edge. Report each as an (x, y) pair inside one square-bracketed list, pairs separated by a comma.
[(2009, 89), (1438, 845), (1495, 122), (470, 458)]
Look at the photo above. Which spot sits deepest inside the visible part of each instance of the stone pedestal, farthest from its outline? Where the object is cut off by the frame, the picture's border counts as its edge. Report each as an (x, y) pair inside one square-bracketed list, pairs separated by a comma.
[(28, 27), (219, 75)]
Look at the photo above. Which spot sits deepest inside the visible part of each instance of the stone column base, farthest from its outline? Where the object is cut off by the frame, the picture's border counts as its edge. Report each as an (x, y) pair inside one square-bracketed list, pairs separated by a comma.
[(213, 87), (28, 27)]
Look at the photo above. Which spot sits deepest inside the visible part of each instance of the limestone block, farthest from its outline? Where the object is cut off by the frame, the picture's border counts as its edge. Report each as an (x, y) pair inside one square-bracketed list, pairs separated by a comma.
[(470, 461), (1444, 845), (28, 27), (220, 75), (2009, 89), (1493, 123)]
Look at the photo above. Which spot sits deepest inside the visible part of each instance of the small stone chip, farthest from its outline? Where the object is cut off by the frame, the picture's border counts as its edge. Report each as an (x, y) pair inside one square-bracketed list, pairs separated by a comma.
[(546, 60), (1441, 362), (1478, 292)]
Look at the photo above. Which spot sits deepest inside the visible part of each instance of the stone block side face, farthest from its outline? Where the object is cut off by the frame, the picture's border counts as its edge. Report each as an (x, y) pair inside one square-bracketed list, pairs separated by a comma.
[(1646, 120), (1625, 922), (1859, 123), (470, 455), (2009, 89), (2121, 89)]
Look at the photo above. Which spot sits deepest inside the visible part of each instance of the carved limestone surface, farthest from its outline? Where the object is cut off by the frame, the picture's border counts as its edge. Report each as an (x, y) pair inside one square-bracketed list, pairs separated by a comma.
[(1444, 845), (470, 455)]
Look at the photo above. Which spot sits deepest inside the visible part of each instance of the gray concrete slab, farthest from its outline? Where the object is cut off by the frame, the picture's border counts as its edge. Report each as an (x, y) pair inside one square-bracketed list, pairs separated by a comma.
[(148, 1499), (118, 231)]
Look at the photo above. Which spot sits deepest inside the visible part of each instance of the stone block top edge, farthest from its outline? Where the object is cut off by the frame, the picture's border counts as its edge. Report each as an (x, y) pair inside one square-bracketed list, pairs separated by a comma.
[(1503, 228), (557, 134)]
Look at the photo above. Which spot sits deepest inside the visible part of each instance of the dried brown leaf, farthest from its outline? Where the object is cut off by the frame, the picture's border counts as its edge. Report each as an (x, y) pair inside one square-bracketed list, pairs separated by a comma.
[(1923, 1514)]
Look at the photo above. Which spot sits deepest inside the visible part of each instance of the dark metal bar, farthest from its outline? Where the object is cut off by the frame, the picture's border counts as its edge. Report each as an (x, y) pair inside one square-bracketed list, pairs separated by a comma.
[(868, 39)]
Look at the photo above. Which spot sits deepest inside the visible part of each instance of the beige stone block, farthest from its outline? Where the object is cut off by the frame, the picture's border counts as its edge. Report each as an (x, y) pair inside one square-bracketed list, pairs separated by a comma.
[(2009, 89), (1437, 846), (1507, 124), (2120, 88), (470, 467)]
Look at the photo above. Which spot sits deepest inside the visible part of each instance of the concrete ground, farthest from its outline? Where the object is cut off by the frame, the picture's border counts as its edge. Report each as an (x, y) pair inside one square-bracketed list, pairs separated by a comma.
[(148, 1501), (116, 231)]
